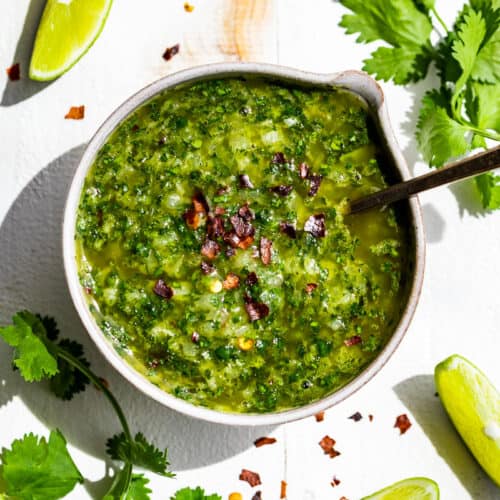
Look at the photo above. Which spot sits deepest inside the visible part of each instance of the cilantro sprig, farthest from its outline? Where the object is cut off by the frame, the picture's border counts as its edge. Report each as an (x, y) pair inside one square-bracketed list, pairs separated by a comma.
[(43, 470), (464, 110)]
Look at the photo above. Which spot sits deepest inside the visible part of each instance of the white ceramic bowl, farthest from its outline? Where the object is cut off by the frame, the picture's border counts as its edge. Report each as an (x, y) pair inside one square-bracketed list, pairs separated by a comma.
[(355, 81)]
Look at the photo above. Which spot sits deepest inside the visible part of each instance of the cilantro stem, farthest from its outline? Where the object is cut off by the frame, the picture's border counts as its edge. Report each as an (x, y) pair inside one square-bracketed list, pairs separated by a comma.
[(63, 354), (479, 131), (439, 19)]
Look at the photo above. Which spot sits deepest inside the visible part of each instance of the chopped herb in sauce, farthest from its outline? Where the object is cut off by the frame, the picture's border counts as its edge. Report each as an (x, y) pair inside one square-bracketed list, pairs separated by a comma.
[(211, 239)]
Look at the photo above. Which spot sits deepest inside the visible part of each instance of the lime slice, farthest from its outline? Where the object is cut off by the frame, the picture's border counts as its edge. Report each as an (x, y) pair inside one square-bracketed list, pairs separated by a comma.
[(473, 405), (413, 488), (68, 29)]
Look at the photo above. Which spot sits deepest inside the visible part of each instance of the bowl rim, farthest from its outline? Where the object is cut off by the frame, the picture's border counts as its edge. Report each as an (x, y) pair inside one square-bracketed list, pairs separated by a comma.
[(356, 81)]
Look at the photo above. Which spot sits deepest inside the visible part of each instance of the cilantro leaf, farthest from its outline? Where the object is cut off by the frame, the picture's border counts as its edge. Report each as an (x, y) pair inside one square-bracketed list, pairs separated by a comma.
[(194, 494), (138, 489), (31, 355), (69, 381), (465, 48), (401, 64), (487, 65), (140, 453), (50, 325), (483, 105), (398, 22), (488, 186), (35, 469), (401, 24), (439, 136)]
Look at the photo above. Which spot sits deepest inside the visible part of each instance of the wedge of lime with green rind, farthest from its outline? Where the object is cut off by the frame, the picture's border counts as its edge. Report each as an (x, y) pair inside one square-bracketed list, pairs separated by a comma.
[(413, 488), (473, 405), (67, 30)]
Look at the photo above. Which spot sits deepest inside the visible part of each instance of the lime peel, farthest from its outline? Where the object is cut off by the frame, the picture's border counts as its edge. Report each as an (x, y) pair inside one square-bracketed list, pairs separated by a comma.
[(473, 405), (413, 488), (67, 30)]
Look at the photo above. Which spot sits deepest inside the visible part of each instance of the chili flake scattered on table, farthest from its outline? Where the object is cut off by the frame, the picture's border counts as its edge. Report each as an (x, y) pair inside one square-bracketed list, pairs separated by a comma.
[(283, 489), (402, 423), (75, 113), (320, 416), (335, 481), (327, 444), (14, 72), (257, 496), (171, 52), (370, 418), (356, 416), (188, 7), (252, 478), (263, 441)]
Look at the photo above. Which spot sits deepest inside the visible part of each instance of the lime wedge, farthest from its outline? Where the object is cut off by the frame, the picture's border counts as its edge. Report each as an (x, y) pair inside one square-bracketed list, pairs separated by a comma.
[(473, 405), (413, 488), (68, 29)]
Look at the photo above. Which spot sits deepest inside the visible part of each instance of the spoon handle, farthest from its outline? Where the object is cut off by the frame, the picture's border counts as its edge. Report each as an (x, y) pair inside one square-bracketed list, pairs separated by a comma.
[(477, 164)]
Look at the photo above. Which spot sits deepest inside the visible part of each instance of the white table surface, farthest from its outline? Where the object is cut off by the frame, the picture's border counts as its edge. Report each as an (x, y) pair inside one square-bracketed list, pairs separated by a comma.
[(39, 150)]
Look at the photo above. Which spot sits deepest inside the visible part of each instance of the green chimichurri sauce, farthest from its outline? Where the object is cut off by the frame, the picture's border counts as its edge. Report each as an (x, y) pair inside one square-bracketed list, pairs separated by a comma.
[(214, 252)]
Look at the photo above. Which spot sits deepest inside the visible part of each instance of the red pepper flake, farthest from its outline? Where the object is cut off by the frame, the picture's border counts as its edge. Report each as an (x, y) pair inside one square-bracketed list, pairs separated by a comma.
[(257, 496), (279, 158), (315, 225), (88, 290), (188, 7), (195, 337), (310, 287), (288, 229), (245, 182), (252, 478), (245, 243), (283, 489), (215, 226), (356, 416), (355, 339), (210, 249), (327, 444), (303, 170), (320, 416), (266, 246), (251, 279), (255, 310), (163, 290), (402, 423), (207, 268), (370, 418), (241, 227), (75, 113), (246, 213), (314, 184), (335, 481), (200, 203), (222, 190), (154, 363), (281, 190), (263, 441), (171, 52), (231, 281), (192, 218), (14, 72), (343, 498)]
